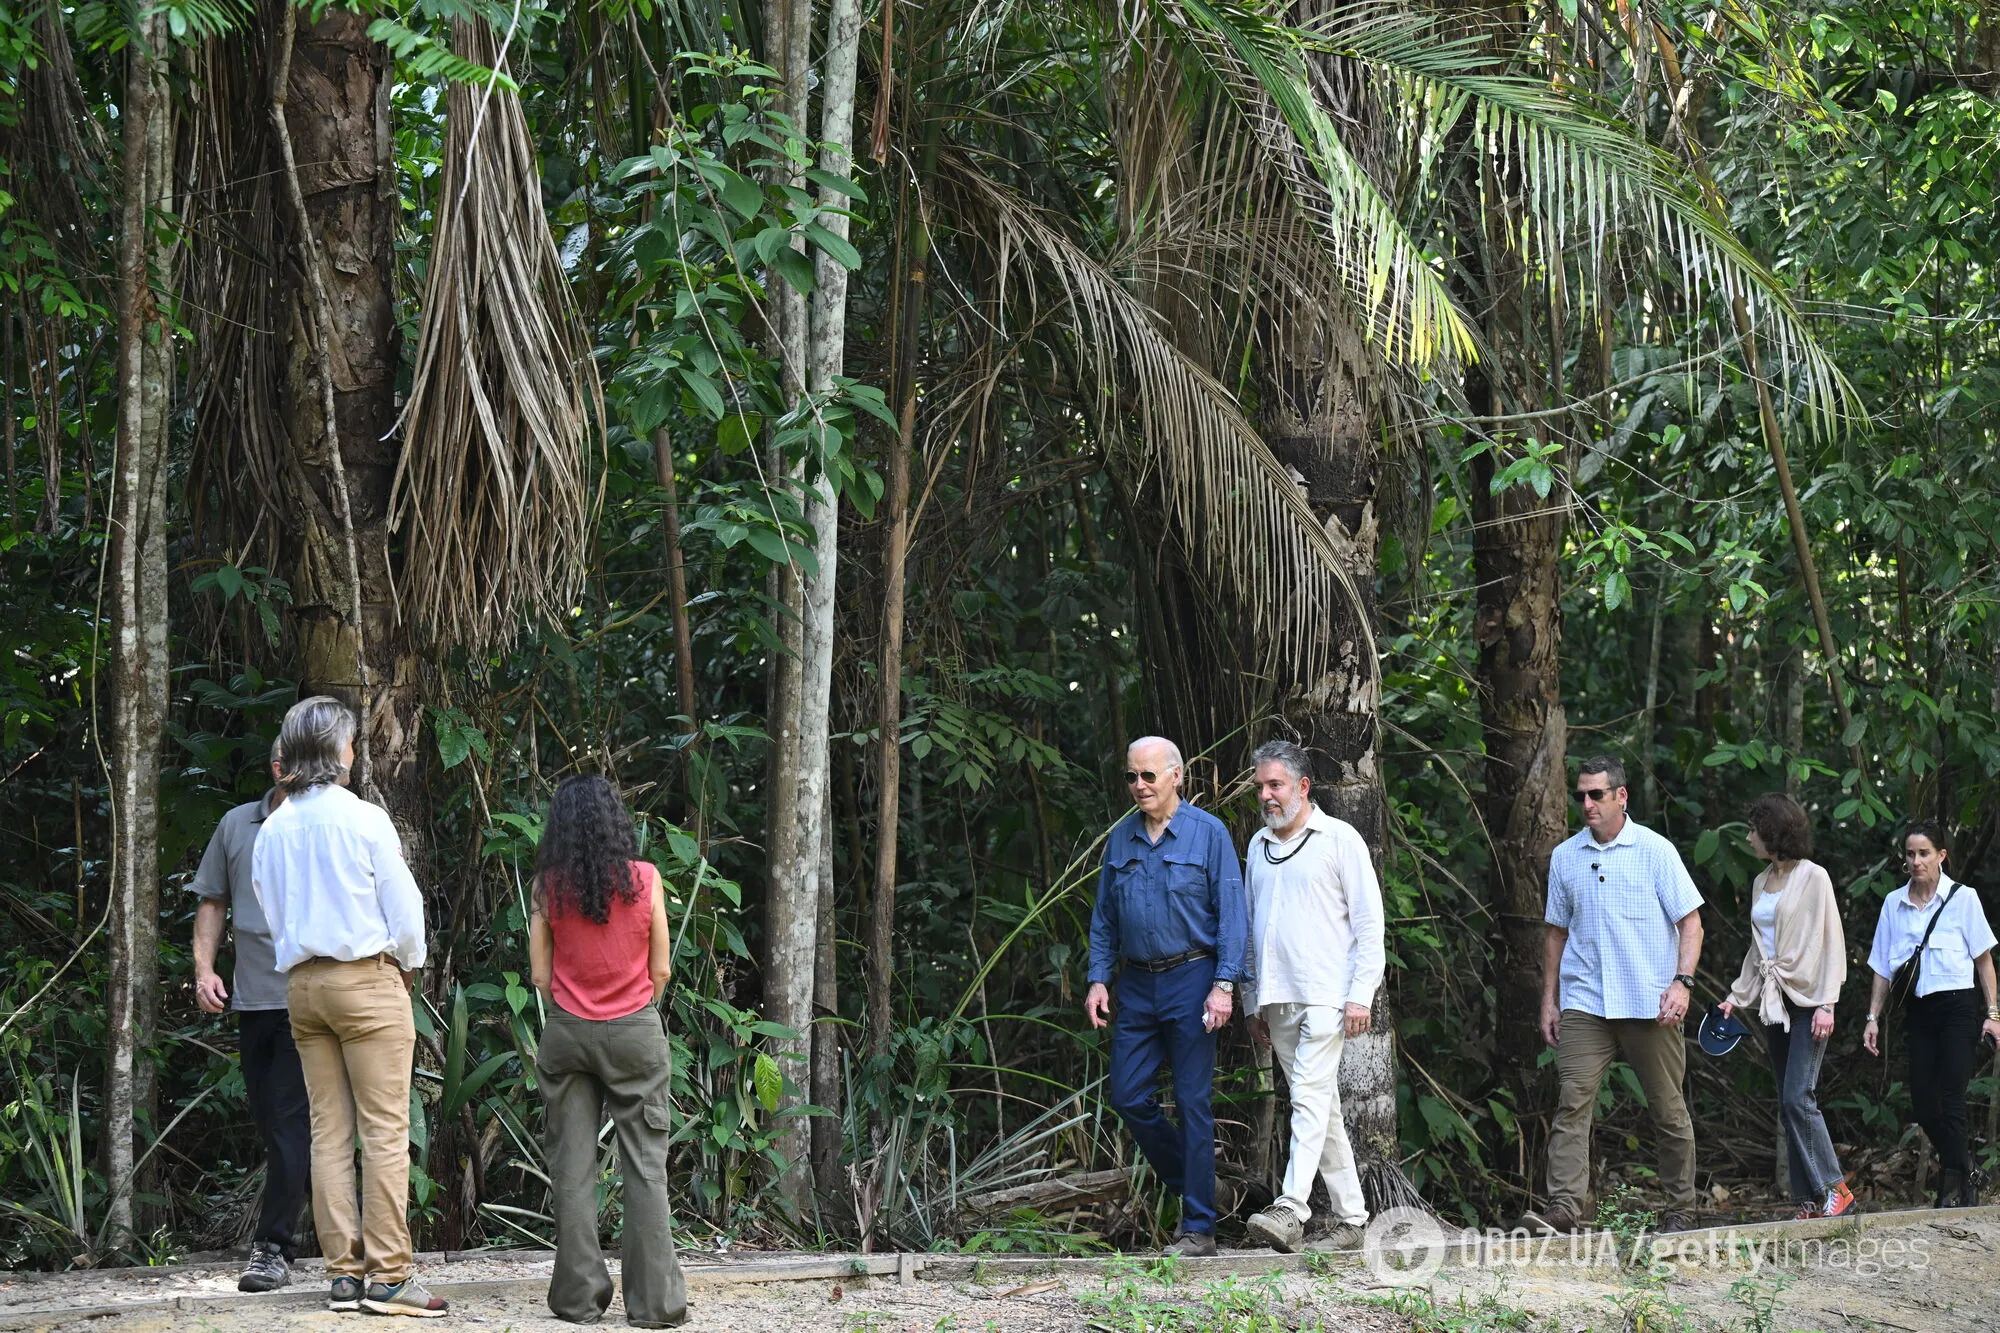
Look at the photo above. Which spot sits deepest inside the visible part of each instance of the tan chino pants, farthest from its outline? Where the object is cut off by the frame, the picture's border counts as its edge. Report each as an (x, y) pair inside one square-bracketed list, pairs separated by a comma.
[(352, 1025), (1658, 1055)]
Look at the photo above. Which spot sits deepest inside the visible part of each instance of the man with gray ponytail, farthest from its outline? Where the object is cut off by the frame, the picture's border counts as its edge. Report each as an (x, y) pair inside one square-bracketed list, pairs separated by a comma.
[(347, 924), (1316, 959)]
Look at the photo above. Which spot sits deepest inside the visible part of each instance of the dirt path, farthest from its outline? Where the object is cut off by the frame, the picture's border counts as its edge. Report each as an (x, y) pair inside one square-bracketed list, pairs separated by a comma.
[(1918, 1272)]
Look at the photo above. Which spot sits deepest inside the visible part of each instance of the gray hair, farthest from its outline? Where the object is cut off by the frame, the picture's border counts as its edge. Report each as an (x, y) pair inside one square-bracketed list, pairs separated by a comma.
[(1173, 751), (315, 732), (1613, 771), (1291, 756)]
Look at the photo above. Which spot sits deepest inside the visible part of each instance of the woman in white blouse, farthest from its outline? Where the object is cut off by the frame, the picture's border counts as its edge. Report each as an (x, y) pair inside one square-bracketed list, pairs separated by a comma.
[(1790, 979), (1942, 1020)]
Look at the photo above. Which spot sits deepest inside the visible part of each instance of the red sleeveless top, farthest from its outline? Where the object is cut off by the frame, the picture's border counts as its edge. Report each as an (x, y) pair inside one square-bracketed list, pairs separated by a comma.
[(598, 971)]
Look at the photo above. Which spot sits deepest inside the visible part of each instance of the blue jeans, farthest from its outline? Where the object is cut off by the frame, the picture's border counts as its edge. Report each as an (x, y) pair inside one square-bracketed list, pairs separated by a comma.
[(1159, 1021), (1795, 1059)]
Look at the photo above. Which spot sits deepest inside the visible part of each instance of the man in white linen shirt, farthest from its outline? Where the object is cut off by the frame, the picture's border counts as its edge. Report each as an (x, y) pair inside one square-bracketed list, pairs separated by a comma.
[(1316, 957), (347, 925)]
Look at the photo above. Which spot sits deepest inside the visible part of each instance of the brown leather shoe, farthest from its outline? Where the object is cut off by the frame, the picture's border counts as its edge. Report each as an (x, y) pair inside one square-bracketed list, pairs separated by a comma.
[(1191, 1245), (1674, 1219)]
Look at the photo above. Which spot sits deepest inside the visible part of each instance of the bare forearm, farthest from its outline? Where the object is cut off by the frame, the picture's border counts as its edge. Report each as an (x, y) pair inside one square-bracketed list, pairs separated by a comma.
[(1983, 967), (208, 920), (1878, 993), (1552, 958), (1690, 955)]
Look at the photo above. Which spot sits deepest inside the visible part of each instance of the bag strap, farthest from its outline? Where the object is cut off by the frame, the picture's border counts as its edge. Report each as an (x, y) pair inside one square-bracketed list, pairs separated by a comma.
[(1936, 917)]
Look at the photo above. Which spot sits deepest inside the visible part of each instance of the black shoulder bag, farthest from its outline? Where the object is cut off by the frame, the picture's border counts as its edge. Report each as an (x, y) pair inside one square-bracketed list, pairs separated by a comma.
[(1903, 985)]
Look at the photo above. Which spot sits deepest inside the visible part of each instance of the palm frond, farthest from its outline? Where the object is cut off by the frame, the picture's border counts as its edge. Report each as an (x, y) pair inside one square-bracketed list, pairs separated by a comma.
[(1583, 174), (495, 489), (1243, 515)]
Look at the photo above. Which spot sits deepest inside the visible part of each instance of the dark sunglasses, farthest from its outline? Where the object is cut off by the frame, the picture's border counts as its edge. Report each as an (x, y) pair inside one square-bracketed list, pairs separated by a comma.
[(1594, 794), (1148, 776)]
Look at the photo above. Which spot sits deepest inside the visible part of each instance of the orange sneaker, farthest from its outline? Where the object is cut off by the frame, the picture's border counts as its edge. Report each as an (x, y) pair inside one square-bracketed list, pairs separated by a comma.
[(1807, 1211), (1839, 1201)]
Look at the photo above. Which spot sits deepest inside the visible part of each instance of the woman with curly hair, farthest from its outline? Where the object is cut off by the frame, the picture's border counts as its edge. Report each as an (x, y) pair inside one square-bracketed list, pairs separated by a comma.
[(1791, 979), (599, 950)]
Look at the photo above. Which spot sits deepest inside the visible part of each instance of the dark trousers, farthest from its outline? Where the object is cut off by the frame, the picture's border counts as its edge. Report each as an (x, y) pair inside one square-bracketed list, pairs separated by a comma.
[(276, 1087), (1943, 1035), (620, 1067), (1159, 1021), (1795, 1061)]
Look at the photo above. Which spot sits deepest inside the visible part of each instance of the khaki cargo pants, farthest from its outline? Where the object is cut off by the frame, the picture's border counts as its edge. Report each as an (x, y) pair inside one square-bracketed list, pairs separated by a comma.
[(587, 1069)]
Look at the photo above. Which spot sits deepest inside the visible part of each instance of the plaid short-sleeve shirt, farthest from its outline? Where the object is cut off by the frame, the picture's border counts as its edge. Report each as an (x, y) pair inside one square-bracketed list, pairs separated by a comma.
[(1621, 903)]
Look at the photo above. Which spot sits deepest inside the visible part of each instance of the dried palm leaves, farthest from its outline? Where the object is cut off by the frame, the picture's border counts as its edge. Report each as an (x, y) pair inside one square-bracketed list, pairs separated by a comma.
[(495, 492)]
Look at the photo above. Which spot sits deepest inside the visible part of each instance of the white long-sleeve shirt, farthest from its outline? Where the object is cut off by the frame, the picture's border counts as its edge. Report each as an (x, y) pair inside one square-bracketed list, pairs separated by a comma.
[(329, 873), (1316, 917)]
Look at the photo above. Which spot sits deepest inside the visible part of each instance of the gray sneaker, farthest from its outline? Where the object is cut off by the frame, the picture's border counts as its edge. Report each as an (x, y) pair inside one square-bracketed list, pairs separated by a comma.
[(344, 1294), (1340, 1236), (405, 1297), (1278, 1228), (1191, 1245), (267, 1269)]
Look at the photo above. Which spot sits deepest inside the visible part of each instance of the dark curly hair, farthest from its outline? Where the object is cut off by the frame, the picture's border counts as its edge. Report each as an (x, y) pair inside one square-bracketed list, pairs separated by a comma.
[(586, 845), (1783, 825)]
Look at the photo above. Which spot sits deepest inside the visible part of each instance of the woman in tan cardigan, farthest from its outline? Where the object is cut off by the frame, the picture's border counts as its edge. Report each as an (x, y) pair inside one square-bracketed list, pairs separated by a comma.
[(1791, 978)]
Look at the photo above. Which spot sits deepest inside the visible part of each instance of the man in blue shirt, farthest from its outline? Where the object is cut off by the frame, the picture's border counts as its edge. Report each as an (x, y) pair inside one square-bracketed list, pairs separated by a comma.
[(1618, 970), (1171, 927)]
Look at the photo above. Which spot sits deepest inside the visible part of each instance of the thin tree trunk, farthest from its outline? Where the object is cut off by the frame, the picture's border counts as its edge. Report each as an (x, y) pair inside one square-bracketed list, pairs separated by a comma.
[(670, 528), (139, 649), (7, 411), (1321, 424), (795, 896), (826, 1031), (895, 559), (1649, 722)]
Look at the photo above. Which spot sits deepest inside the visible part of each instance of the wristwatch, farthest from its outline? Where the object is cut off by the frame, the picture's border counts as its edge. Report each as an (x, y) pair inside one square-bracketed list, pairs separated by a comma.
[(1226, 987), (1993, 1012), (1685, 980)]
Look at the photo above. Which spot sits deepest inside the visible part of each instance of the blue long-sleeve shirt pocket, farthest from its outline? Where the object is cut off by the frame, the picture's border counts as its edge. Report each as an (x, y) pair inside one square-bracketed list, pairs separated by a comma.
[(1157, 900)]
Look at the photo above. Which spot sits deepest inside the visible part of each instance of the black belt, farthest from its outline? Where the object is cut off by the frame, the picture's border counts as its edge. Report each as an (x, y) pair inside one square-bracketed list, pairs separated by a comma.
[(1169, 964)]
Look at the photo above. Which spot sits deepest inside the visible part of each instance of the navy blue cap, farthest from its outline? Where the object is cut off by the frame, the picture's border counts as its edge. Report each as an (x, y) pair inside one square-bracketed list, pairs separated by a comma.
[(1720, 1032)]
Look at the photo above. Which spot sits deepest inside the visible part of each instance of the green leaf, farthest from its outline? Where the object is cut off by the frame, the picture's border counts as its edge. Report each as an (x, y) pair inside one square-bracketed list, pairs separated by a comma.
[(704, 391), (839, 248), (1856, 729), (795, 269), (826, 180), (1706, 846), (770, 1081)]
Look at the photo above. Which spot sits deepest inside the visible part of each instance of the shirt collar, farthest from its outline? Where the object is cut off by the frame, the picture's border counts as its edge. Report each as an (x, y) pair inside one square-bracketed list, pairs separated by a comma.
[(1318, 819), (1135, 824), (1944, 886), (265, 807), (1627, 836)]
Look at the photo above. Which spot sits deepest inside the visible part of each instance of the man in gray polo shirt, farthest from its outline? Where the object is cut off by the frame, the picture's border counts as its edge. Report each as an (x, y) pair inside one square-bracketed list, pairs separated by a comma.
[(272, 1077)]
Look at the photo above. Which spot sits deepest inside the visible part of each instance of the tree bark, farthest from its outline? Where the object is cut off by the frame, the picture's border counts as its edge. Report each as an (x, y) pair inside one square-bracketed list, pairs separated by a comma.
[(139, 648), (1516, 564), (336, 114), (1321, 425), (670, 529), (794, 889), (895, 559)]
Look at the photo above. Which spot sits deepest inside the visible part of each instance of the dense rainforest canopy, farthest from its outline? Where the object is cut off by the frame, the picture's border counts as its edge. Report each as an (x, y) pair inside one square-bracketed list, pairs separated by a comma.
[(848, 425)]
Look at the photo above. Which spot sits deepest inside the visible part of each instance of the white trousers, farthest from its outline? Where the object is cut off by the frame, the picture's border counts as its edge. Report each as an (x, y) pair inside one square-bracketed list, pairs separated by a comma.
[(1307, 1039)]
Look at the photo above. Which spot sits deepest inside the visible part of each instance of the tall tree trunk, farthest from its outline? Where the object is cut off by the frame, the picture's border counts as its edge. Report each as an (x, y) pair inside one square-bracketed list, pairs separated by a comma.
[(1321, 424), (338, 297), (1516, 564), (794, 890), (826, 1028), (139, 649), (895, 572)]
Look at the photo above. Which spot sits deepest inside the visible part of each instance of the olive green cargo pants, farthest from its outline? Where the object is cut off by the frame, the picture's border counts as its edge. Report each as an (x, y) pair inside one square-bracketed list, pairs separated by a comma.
[(587, 1069)]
